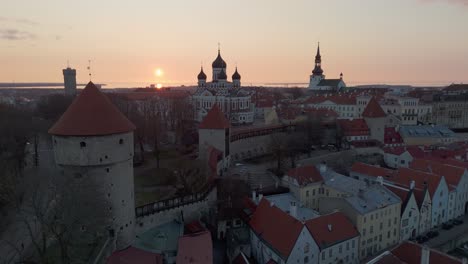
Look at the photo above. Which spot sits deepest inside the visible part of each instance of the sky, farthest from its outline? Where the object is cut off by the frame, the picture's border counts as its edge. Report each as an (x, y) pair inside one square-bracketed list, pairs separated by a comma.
[(420, 42)]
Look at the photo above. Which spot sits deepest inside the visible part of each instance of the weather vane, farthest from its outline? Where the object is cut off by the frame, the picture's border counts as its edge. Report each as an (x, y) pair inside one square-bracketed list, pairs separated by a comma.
[(89, 69)]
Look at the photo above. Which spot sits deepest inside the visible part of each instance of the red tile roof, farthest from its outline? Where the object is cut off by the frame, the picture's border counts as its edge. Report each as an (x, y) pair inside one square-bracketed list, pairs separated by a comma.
[(373, 109), (371, 170), (451, 174), (392, 136), (354, 127), (195, 248), (421, 179), (330, 229), (305, 175), (410, 253), (215, 119), (134, 255), (341, 99), (282, 233), (414, 151), (321, 112), (91, 114)]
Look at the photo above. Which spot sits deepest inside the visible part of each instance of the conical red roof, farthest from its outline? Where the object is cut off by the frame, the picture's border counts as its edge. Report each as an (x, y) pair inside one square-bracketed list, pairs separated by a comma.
[(91, 114), (373, 109), (215, 119)]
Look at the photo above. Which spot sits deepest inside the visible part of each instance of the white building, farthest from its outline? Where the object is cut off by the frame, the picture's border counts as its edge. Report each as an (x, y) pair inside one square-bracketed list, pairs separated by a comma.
[(234, 101), (93, 141), (410, 218)]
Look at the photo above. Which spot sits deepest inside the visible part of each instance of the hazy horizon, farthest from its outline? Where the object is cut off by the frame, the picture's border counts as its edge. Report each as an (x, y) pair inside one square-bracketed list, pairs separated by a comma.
[(415, 42)]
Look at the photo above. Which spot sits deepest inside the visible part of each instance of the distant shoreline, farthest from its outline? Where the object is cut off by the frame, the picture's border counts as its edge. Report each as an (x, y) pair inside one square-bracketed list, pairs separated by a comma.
[(36, 84)]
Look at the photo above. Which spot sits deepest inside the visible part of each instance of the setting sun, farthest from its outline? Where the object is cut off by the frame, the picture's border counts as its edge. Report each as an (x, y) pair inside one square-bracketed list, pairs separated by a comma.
[(158, 72)]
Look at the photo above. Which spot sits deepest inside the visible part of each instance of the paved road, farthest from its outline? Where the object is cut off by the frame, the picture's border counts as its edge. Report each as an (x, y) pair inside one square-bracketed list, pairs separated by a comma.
[(446, 236)]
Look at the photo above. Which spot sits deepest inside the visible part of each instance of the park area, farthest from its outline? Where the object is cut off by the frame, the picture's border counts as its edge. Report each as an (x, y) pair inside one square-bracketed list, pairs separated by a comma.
[(176, 175)]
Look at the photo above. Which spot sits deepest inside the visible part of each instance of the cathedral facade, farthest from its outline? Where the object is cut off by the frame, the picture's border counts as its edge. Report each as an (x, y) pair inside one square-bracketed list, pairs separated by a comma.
[(232, 100)]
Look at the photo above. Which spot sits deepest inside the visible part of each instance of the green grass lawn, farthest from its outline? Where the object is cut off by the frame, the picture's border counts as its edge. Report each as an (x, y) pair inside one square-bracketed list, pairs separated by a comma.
[(155, 177)]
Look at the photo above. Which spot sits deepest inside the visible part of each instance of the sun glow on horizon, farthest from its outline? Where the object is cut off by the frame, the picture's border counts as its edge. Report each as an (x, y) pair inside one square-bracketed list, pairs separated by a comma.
[(158, 72), (159, 86)]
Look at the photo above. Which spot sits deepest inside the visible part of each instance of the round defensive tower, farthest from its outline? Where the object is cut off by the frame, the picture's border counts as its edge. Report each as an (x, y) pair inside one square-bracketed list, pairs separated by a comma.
[(94, 140)]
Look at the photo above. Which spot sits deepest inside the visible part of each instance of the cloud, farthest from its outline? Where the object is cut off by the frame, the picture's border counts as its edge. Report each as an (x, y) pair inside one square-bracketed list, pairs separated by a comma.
[(26, 21), (23, 21), (15, 34)]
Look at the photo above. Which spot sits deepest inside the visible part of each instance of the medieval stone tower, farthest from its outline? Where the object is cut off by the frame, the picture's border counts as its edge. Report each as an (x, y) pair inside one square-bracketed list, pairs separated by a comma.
[(214, 131), (93, 140)]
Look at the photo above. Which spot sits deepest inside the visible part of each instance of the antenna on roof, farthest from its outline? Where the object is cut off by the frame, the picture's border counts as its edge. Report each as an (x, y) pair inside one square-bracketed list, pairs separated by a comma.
[(219, 47), (68, 64), (89, 69)]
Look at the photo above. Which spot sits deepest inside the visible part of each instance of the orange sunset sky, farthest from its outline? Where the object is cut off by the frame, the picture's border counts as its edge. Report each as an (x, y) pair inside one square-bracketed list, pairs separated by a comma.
[(422, 42)]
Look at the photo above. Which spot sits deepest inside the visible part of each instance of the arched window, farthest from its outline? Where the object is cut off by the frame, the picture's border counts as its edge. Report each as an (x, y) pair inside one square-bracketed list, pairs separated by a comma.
[(82, 144)]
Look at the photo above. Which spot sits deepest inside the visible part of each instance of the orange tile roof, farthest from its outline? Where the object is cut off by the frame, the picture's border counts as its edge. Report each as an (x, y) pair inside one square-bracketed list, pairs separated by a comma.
[(215, 119), (282, 233), (373, 109), (330, 229), (91, 114), (305, 174)]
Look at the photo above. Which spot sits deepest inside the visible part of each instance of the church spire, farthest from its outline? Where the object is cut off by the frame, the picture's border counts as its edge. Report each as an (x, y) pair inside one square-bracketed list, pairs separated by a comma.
[(318, 63)]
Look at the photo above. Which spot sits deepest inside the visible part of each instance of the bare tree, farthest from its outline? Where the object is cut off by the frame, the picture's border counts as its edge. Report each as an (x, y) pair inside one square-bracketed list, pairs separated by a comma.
[(64, 214), (278, 146), (191, 175), (312, 131)]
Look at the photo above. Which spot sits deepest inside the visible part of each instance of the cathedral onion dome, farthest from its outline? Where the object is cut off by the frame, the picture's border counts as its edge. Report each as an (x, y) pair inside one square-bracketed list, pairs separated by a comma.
[(219, 62), (222, 75), (201, 75), (236, 75)]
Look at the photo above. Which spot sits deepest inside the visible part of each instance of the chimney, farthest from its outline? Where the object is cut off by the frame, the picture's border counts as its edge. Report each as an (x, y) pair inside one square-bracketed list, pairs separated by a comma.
[(329, 227), (380, 180), (254, 195), (323, 168), (425, 255), (412, 184), (293, 209)]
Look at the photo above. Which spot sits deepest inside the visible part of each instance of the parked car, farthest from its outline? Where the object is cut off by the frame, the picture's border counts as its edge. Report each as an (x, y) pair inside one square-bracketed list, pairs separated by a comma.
[(457, 222), (422, 239), (447, 226), (432, 234)]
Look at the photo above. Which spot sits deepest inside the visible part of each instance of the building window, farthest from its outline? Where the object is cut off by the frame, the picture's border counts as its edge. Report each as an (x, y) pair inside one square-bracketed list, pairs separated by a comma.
[(82, 144), (306, 259), (120, 141)]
